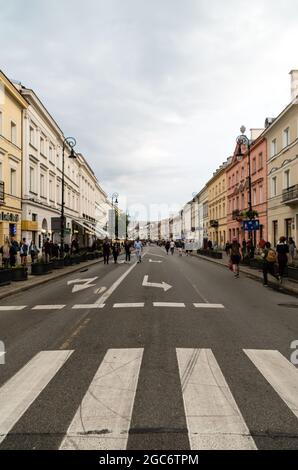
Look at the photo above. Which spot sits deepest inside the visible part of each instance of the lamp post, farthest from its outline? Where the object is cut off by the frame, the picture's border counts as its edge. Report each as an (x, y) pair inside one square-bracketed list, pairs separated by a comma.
[(115, 197), (242, 139), (67, 142)]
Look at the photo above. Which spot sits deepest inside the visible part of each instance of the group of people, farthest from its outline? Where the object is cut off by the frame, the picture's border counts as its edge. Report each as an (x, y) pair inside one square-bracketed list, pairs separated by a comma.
[(115, 249), (274, 261), (170, 246), (11, 248)]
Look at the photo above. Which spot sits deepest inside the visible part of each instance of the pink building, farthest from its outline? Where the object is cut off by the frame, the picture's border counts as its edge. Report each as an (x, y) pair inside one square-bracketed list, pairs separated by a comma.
[(238, 190)]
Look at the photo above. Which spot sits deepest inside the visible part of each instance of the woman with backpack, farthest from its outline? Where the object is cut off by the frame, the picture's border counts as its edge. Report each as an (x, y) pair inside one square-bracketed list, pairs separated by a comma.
[(235, 256), (269, 260), (282, 249)]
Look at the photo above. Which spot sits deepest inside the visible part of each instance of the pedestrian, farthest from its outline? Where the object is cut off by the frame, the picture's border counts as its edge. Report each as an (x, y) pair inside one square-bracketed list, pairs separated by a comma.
[(13, 250), (167, 246), (282, 249), (116, 249), (292, 250), (55, 250), (5, 251), (47, 250), (106, 248), (244, 248), (209, 245), (227, 248), (33, 250), (138, 247), (74, 246), (180, 250), (269, 260), (172, 247), (235, 256), (127, 248), (24, 252)]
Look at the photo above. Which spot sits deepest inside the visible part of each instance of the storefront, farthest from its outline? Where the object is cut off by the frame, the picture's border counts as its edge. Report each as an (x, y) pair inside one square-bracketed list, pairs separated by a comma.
[(10, 225)]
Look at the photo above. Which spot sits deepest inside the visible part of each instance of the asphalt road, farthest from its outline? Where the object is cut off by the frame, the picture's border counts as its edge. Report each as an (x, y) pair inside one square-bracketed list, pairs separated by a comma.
[(171, 375)]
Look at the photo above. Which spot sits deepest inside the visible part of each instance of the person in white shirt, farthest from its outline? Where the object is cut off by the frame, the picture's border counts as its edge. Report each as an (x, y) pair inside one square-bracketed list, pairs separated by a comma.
[(138, 247), (172, 247)]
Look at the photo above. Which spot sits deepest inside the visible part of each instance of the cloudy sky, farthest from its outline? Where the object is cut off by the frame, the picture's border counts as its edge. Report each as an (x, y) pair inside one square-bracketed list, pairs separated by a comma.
[(153, 90)]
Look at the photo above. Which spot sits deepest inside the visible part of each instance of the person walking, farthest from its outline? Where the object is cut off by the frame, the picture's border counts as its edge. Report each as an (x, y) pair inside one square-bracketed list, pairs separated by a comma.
[(269, 260), (235, 256), (172, 247), (116, 249), (282, 249), (24, 252), (292, 250), (13, 250), (106, 248), (33, 250), (227, 248), (167, 246), (5, 251), (47, 250), (127, 248), (138, 247)]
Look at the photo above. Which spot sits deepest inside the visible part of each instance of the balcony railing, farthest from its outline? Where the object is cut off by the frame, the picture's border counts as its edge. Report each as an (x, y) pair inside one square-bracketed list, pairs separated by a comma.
[(290, 195), (213, 223), (2, 194)]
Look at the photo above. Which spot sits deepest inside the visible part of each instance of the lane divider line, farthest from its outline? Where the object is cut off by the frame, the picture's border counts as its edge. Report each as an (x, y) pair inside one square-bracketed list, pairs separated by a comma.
[(12, 307), (129, 305), (48, 307), (208, 305), (87, 306), (169, 304)]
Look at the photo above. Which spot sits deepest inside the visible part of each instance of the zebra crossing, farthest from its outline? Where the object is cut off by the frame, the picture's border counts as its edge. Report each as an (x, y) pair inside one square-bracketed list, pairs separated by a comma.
[(103, 419)]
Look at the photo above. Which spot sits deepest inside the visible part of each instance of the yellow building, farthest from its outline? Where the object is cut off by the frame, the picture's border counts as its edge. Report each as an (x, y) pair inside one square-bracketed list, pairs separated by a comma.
[(12, 105), (217, 206)]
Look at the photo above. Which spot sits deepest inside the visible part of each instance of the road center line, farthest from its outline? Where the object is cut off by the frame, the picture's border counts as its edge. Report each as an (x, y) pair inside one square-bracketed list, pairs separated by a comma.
[(48, 307), (168, 304), (129, 305), (12, 307), (206, 305)]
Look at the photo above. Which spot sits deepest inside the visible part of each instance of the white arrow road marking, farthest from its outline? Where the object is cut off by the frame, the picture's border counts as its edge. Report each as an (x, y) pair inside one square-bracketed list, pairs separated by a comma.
[(81, 284), (153, 261), (163, 285), (153, 254), (102, 420), (213, 418), (19, 392)]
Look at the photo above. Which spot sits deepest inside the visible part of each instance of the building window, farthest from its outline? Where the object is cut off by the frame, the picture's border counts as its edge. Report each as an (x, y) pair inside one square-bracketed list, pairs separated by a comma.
[(32, 180), (51, 153), (242, 172), (275, 231), (288, 228), (42, 145), (42, 186), (260, 161), (242, 201), (51, 187), (32, 136), (286, 137), (254, 165), (273, 186), (1, 122), (261, 194), (286, 179), (13, 133), (254, 197), (273, 147), (13, 182)]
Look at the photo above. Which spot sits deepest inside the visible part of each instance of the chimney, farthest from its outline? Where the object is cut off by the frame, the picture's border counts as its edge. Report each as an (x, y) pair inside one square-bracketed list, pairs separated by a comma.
[(255, 133), (294, 84)]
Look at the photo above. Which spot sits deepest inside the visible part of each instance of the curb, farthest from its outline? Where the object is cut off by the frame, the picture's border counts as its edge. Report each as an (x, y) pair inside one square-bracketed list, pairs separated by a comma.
[(283, 289), (44, 279)]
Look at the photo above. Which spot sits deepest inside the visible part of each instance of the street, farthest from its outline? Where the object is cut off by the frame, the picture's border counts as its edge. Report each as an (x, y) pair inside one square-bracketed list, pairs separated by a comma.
[(170, 353)]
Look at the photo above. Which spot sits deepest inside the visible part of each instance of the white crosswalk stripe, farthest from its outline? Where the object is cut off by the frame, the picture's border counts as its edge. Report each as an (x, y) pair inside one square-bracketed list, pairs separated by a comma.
[(102, 421), (23, 388), (281, 374), (213, 417)]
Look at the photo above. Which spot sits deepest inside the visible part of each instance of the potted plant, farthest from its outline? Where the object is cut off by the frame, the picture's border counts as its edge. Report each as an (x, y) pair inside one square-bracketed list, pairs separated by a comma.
[(19, 273), (57, 263), (40, 267), (90, 255), (5, 276)]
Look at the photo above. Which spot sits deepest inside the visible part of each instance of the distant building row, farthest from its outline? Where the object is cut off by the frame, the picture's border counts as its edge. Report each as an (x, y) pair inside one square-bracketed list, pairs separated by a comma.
[(218, 210), (31, 175)]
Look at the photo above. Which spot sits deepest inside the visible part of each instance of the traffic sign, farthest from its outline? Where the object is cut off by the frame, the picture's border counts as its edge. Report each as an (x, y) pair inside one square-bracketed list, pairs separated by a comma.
[(251, 225)]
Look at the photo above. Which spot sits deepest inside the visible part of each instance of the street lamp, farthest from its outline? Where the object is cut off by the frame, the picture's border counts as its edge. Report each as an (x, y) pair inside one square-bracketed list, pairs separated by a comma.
[(68, 142), (242, 139), (115, 196)]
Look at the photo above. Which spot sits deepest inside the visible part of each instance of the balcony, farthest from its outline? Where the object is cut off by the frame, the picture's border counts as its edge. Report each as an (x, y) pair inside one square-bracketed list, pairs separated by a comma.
[(290, 195), (236, 214), (214, 223), (2, 194)]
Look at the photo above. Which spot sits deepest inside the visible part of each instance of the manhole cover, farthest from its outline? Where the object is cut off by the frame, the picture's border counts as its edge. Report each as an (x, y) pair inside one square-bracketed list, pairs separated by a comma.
[(288, 305)]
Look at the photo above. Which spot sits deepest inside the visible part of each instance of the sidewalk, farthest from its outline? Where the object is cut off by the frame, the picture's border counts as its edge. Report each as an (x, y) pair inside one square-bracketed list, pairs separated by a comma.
[(288, 287), (32, 281)]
